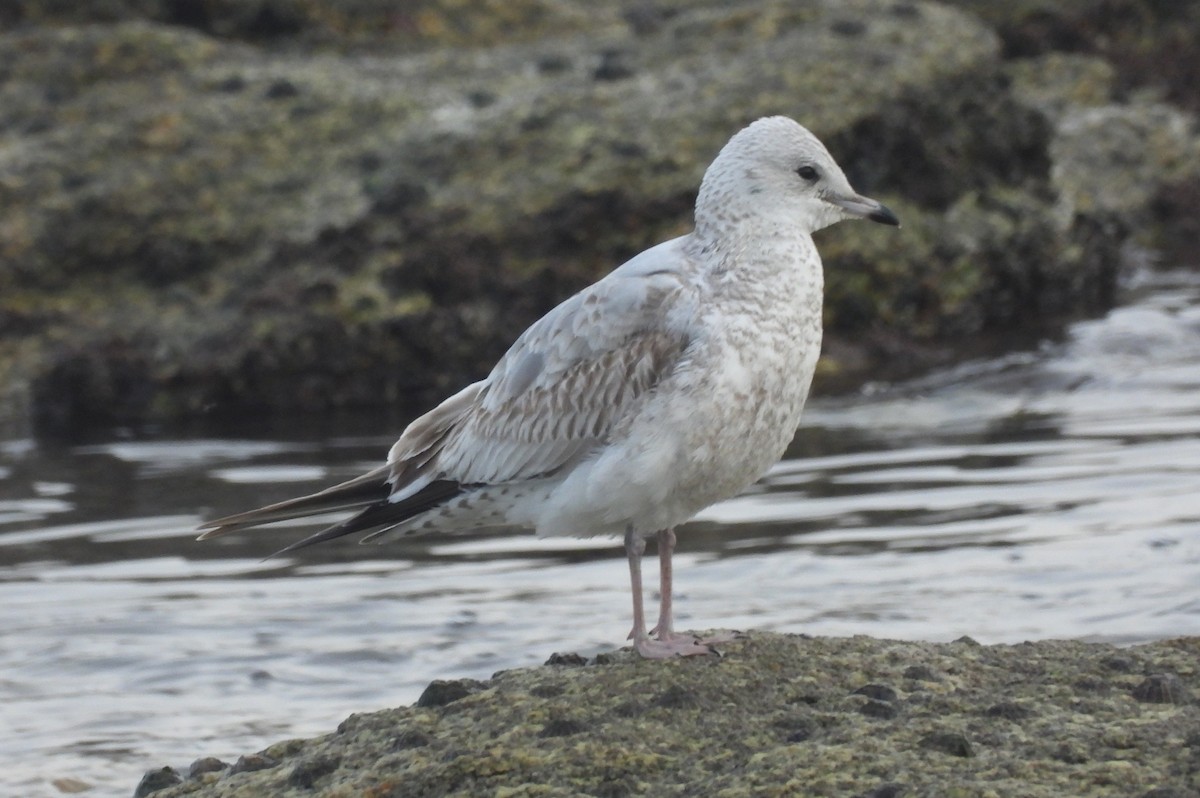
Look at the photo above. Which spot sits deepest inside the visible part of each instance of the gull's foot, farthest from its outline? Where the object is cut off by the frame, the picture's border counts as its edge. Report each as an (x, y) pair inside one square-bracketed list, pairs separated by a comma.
[(676, 646)]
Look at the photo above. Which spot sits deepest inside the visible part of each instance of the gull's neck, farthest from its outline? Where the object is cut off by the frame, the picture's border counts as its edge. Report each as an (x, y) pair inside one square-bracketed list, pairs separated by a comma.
[(758, 248)]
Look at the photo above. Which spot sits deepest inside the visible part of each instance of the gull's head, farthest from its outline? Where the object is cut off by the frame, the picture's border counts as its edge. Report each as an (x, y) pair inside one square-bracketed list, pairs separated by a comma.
[(776, 168)]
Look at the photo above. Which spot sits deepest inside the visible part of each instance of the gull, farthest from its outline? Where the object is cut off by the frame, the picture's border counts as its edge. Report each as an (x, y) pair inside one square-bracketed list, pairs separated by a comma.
[(672, 383)]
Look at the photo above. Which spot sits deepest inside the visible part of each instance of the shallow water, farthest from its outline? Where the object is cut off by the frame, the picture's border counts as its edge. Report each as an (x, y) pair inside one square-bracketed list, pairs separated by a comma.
[(1043, 494)]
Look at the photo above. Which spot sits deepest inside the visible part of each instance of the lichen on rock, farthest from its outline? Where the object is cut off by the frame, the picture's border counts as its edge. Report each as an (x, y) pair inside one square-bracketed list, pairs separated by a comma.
[(298, 205), (775, 715)]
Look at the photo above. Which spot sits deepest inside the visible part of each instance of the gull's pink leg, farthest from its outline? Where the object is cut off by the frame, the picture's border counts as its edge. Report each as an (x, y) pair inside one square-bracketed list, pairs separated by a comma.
[(665, 629), (635, 546)]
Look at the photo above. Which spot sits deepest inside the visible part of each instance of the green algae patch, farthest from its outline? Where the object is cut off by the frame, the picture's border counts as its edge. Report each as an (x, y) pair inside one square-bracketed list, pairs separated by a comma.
[(777, 715)]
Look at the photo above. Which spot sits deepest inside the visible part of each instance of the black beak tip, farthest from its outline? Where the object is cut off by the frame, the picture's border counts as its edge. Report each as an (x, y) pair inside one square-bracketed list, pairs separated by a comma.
[(884, 215)]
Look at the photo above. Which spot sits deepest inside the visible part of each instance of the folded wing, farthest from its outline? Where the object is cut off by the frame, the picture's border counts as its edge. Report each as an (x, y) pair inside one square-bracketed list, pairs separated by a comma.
[(564, 387)]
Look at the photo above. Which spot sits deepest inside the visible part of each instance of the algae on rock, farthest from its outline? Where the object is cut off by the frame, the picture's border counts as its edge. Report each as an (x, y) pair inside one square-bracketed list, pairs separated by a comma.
[(777, 715), (288, 206)]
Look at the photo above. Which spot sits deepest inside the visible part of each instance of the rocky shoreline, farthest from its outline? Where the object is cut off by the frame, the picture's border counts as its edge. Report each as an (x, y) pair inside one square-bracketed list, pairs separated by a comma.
[(240, 210), (775, 715)]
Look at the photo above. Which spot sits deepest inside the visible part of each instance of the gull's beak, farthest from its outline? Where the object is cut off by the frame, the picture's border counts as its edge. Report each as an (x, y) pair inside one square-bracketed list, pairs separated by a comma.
[(867, 208)]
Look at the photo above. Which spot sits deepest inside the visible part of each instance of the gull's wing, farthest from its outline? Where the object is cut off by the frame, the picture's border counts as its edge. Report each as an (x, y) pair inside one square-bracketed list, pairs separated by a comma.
[(561, 389), (563, 386)]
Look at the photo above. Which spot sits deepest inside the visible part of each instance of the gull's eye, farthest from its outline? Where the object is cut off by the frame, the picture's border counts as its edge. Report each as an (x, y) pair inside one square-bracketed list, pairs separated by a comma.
[(808, 173)]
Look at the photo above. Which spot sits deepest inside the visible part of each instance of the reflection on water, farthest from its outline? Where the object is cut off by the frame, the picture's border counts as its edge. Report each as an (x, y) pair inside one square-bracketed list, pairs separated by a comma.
[(1046, 494)]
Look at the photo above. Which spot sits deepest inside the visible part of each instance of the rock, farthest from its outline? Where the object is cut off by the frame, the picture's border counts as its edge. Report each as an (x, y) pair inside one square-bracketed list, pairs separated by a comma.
[(208, 208), (307, 773), (410, 738), (157, 780), (770, 717), (250, 763), (1059, 83), (921, 673), (1146, 42), (1162, 688), (207, 764), (878, 692), (1112, 160), (948, 742), (874, 708), (570, 659), (1009, 710), (441, 692)]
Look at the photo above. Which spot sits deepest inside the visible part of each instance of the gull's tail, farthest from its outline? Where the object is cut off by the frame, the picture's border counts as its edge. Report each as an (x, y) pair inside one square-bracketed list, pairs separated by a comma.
[(369, 494)]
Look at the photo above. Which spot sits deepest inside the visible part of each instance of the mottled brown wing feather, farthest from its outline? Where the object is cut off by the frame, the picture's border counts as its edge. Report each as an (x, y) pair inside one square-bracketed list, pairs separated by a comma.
[(556, 421)]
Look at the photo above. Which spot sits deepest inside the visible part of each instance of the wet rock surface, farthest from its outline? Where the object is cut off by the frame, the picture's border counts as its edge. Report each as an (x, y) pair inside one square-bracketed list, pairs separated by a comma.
[(775, 715), (214, 210)]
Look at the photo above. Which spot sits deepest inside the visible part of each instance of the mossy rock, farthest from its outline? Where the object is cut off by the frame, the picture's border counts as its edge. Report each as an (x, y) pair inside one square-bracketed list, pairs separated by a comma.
[(776, 715), (204, 223)]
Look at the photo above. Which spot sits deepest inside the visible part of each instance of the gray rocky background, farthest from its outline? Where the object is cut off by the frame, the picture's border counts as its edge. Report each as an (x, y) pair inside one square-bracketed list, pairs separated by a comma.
[(215, 210)]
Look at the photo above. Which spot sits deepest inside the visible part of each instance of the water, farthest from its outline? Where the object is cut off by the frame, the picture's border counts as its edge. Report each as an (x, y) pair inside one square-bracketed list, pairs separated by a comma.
[(1043, 494)]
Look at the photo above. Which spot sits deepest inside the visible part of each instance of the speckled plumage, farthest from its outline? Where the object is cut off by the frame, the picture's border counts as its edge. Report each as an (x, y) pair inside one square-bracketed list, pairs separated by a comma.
[(673, 383)]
